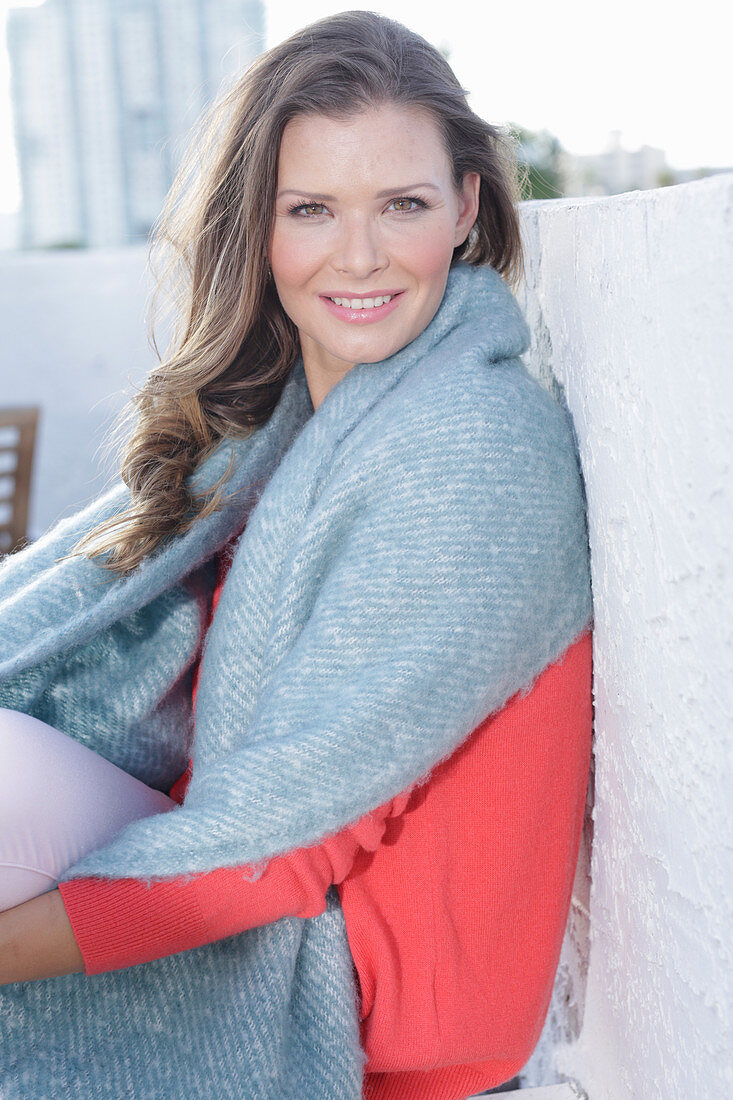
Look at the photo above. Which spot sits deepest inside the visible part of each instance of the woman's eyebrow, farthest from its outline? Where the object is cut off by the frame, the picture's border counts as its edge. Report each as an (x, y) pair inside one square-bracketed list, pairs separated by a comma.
[(379, 195)]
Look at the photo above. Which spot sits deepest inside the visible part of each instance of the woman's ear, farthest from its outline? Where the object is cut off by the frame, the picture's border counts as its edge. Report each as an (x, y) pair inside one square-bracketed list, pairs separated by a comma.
[(468, 201)]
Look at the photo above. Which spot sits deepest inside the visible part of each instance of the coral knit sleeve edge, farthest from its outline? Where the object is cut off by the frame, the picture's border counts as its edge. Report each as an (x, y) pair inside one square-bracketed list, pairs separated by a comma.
[(123, 922)]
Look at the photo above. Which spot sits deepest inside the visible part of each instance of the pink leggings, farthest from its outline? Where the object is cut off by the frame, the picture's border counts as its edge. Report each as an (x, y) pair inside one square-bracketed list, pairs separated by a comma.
[(58, 801)]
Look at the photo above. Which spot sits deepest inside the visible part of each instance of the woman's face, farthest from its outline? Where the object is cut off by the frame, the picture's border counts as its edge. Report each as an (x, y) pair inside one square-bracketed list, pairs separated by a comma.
[(365, 207)]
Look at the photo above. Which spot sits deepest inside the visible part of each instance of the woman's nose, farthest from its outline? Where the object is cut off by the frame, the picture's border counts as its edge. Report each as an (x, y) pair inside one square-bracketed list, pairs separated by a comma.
[(359, 250)]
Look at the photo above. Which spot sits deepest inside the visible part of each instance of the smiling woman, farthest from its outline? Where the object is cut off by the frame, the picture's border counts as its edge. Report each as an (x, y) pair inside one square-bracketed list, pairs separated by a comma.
[(295, 721), (346, 243), (228, 227)]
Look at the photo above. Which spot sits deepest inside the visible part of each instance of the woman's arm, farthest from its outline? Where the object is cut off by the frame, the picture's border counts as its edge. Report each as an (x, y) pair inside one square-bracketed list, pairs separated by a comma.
[(37, 941), (77, 927)]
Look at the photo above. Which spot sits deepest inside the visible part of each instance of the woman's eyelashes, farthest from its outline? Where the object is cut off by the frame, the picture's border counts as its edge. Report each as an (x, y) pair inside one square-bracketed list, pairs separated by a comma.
[(315, 209)]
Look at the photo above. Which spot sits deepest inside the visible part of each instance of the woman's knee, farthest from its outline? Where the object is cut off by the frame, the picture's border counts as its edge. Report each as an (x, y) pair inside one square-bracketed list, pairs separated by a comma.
[(59, 799), (23, 762)]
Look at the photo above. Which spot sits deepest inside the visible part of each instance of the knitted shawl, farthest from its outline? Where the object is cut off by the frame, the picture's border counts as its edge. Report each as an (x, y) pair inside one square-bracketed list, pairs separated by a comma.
[(415, 552)]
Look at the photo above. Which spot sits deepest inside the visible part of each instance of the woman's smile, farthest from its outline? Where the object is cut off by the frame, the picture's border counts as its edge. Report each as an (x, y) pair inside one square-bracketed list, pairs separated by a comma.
[(363, 310)]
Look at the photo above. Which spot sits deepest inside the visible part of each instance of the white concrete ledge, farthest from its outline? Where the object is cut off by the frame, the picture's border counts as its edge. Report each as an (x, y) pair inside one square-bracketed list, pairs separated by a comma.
[(630, 303)]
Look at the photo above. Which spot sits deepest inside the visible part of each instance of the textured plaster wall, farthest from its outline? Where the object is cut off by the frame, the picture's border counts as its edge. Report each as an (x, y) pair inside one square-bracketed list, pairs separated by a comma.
[(630, 301)]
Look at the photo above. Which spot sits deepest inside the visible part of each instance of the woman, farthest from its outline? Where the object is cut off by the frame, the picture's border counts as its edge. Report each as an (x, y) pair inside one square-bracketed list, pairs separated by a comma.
[(375, 516)]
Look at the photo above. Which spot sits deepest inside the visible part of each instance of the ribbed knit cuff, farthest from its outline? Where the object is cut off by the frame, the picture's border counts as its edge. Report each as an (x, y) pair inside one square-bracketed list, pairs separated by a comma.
[(123, 922)]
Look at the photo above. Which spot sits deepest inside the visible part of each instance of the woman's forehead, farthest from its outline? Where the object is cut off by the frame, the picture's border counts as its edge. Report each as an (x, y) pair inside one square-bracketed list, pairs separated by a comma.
[(363, 117), (365, 145)]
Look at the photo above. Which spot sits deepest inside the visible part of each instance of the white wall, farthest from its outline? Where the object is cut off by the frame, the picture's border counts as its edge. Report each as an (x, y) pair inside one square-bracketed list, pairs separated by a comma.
[(630, 300), (74, 341)]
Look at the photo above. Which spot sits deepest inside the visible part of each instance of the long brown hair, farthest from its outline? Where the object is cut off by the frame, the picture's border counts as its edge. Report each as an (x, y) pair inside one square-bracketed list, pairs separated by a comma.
[(233, 346)]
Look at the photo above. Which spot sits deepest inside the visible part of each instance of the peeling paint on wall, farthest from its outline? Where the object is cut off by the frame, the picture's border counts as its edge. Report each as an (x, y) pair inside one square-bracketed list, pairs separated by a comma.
[(630, 301)]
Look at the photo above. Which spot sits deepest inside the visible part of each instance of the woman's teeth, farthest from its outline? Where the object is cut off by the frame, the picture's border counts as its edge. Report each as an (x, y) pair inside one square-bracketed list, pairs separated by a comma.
[(362, 303)]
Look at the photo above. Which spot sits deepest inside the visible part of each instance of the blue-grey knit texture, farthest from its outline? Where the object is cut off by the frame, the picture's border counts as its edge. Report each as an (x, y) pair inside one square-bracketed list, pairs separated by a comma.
[(415, 553)]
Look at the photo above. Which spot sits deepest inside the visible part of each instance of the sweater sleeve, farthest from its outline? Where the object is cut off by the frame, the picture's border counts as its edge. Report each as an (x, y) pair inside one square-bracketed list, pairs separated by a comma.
[(172, 915)]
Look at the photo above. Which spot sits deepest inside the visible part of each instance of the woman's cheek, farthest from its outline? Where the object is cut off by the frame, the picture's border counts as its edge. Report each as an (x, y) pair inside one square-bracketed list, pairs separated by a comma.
[(430, 251), (291, 256)]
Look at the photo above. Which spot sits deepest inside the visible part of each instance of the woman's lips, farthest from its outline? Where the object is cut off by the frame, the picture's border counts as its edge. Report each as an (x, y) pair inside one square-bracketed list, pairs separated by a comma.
[(362, 316)]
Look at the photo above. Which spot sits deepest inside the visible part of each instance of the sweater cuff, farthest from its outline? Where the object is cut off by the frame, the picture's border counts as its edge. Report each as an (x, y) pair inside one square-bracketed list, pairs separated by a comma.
[(123, 922)]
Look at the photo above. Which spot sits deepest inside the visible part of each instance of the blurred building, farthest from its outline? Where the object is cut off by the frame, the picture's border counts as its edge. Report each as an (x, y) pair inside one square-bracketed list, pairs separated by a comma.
[(615, 170), (103, 92)]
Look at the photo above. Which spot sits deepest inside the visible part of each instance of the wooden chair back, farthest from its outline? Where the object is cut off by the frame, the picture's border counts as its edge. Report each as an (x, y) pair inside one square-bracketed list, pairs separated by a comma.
[(17, 447)]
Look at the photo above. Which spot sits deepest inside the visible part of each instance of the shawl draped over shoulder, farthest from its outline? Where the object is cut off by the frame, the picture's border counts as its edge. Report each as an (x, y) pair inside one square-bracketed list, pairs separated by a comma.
[(415, 552)]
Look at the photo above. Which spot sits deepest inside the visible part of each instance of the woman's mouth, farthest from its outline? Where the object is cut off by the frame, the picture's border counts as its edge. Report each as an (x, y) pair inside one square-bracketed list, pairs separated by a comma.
[(361, 311)]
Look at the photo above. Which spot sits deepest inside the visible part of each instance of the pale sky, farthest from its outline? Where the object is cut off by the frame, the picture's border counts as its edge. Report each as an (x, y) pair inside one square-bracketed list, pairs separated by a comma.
[(572, 67)]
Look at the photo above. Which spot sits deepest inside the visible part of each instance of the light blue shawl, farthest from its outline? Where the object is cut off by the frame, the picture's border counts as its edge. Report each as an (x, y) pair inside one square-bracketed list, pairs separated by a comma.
[(415, 553)]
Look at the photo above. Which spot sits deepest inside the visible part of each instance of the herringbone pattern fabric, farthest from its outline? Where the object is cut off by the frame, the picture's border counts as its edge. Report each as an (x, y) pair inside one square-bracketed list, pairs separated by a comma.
[(416, 553)]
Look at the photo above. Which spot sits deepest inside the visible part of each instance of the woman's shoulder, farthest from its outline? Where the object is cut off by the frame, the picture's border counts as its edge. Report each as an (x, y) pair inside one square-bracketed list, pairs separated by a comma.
[(468, 414)]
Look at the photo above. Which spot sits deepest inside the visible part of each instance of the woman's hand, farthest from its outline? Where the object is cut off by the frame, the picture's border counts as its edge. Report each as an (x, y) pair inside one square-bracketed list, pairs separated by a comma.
[(36, 941)]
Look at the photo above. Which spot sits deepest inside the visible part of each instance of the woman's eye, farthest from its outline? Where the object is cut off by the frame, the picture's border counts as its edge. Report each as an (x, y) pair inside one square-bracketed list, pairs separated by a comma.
[(403, 205), (310, 209)]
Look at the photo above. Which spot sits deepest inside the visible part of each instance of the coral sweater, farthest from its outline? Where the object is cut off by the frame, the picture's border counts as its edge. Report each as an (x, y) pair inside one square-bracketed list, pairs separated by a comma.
[(455, 895)]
